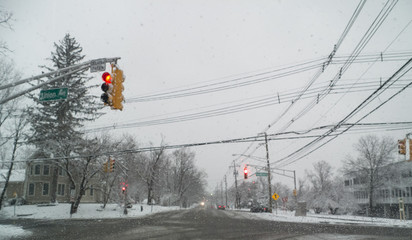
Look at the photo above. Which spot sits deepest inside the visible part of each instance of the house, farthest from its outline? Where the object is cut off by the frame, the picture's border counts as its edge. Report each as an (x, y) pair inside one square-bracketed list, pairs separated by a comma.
[(396, 188), (15, 188), (39, 180)]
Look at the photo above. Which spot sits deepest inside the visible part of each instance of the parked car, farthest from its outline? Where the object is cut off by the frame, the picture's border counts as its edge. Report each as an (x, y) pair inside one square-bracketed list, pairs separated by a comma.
[(259, 208)]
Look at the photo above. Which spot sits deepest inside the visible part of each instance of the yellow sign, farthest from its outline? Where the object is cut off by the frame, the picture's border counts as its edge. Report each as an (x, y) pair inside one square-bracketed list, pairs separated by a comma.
[(275, 196)]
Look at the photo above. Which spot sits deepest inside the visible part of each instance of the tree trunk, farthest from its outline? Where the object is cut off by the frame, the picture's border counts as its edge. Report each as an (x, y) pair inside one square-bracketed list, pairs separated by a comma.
[(6, 185), (371, 190), (10, 168), (53, 187), (76, 203), (149, 195)]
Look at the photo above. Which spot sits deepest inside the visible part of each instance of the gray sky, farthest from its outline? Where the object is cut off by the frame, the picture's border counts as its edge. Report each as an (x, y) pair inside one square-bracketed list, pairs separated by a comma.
[(173, 45)]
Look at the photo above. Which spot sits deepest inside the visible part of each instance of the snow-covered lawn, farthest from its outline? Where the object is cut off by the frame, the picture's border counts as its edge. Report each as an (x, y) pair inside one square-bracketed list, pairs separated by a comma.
[(85, 211), (287, 216)]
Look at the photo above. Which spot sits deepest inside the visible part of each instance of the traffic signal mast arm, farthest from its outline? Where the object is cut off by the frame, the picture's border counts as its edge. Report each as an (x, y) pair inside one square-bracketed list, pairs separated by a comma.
[(72, 69)]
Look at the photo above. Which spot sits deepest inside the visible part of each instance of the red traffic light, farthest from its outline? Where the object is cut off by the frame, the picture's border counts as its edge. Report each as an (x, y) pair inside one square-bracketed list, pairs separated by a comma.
[(107, 77), (123, 188), (245, 173)]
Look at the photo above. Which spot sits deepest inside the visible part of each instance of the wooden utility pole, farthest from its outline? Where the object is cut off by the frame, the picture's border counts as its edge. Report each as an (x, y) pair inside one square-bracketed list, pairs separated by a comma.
[(268, 166), (226, 190), (237, 200)]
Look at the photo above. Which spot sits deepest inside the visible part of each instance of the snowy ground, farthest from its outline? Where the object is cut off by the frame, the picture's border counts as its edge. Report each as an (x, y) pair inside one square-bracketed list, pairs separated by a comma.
[(62, 211), (287, 216)]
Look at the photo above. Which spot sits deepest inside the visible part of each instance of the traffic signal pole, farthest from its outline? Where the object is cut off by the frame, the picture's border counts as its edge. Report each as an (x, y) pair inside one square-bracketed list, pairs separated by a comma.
[(64, 71), (268, 166)]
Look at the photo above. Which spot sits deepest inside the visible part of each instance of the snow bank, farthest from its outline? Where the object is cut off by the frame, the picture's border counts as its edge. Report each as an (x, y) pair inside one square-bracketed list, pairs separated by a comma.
[(287, 216), (10, 231), (85, 211)]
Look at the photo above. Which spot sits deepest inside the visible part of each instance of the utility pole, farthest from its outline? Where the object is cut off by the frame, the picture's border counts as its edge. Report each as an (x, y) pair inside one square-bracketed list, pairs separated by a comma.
[(237, 200), (270, 187), (295, 194), (226, 190)]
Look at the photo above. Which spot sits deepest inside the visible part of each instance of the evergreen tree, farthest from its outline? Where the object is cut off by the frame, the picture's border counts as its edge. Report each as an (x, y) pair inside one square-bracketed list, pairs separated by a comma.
[(55, 125)]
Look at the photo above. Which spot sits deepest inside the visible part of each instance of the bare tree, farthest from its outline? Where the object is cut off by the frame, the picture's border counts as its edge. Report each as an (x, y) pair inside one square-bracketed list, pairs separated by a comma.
[(321, 179), (186, 177), (150, 169), (19, 125), (374, 154), (5, 19), (82, 170)]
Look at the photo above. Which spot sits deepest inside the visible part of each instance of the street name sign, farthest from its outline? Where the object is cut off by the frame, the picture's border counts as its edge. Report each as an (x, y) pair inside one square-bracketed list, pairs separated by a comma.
[(261, 174), (98, 65), (53, 94)]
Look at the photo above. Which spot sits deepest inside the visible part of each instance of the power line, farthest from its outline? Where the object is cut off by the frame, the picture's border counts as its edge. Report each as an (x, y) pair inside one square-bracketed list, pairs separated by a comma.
[(260, 102), (255, 138), (398, 74)]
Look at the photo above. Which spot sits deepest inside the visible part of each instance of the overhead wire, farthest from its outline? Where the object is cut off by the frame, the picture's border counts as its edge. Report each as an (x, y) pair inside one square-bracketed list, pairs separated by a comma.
[(352, 57), (369, 99), (260, 102)]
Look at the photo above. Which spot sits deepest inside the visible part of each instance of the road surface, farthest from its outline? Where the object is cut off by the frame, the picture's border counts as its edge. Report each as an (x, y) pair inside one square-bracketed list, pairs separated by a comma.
[(201, 223)]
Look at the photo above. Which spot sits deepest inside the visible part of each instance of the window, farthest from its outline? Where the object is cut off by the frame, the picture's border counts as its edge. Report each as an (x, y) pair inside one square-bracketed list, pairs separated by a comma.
[(31, 189), (346, 182), (37, 169), (45, 189), (61, 171), (91, 190), (46, 170), (60, 189)]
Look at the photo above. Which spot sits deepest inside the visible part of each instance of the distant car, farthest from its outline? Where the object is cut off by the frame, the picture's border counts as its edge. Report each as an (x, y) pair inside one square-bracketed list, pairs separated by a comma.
[(259, 208), (221, 207)]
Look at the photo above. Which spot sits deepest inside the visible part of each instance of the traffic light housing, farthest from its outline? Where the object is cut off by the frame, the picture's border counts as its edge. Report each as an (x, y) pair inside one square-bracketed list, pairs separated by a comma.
[(107, 88), (112, 162), (402, 146), (245, 172), (123, 189), (105, 168), (410, 149), (118, 79)]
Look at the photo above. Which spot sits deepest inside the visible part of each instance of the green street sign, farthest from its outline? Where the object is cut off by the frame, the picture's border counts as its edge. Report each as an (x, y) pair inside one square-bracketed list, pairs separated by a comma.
[(261, 174), (53, 94)]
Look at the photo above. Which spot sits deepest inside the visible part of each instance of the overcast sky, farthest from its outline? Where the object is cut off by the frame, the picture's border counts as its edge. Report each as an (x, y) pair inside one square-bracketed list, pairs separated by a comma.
[(173, 45)]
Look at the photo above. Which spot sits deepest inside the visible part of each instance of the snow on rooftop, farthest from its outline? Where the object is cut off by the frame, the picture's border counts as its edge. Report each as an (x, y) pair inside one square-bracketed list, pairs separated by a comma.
[(17, 175)]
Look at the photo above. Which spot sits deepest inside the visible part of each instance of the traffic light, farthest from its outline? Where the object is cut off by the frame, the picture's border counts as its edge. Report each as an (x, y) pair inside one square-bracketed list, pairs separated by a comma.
[(123, 189), (112, 165), (105, 169), (410, 149), (118, 79), (294, 192), (107, 88), (402, 146), (245, 172)]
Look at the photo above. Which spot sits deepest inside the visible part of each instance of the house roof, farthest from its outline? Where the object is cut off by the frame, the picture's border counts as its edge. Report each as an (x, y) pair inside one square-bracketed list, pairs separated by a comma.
[(17, 175)]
